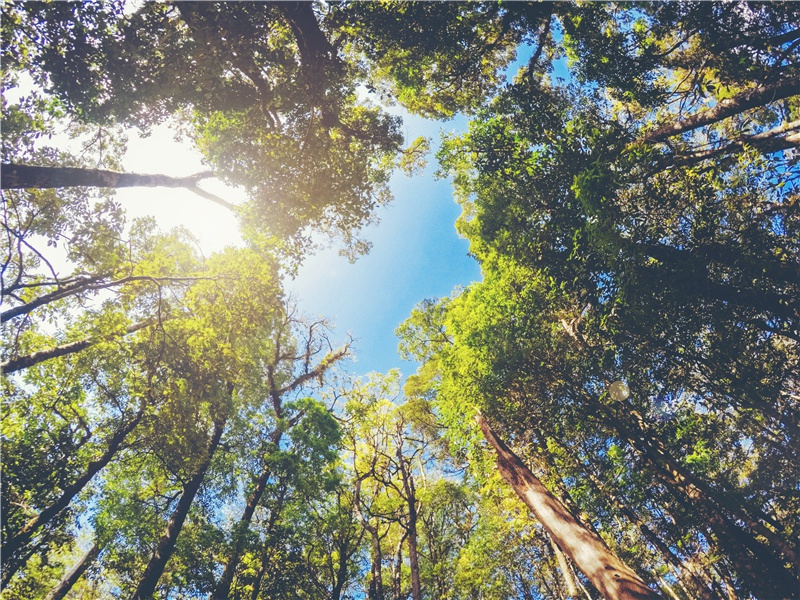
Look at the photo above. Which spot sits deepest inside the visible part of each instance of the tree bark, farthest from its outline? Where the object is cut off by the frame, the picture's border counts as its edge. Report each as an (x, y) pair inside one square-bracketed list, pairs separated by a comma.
[(24, 362), (73, 575), (17, 177), (15, 543), (566, 572), (166, 545), (611, 577), (743, 101)]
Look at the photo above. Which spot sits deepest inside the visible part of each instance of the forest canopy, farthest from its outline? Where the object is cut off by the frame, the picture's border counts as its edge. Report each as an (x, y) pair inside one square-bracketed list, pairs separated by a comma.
[(613, 411)]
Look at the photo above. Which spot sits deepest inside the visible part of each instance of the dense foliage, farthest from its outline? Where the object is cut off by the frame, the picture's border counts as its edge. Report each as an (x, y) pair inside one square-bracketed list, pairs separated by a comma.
[(172, 427)]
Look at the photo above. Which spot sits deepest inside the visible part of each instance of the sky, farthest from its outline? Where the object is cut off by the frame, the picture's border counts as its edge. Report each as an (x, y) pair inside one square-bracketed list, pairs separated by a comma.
[(416, 252)]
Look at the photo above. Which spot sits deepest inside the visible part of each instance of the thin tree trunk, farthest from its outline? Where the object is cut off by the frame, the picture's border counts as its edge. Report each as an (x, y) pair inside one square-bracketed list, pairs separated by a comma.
[(375, 591), (603, 568), (15, 543), (376, 579), (566, 573), (166, 545), (74, 574), (265, 554), (222, 591), (659, 544), (668, 589), (776, 139), (730, 106), (411, 500), (757, 562), (671, 471), (30, 360)]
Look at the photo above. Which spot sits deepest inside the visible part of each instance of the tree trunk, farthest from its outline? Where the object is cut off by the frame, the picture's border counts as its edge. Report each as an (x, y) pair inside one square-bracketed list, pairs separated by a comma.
[(265, 554), (411, 500), (375, 591), (222, 591), (566, 572), (88, 284), (776, 139), (730, 106), (24, 362), (166, 545), (702, 588), (15, 543), (611, 577), (376, 579), (17, 177), (73, 575), (83, 284)]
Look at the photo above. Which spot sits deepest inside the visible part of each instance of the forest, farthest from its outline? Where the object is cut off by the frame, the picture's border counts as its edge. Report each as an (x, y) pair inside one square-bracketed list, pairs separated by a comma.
[(612, 411)]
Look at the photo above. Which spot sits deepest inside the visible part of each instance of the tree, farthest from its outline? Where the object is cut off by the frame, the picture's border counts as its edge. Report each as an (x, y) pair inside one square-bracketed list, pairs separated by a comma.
[(647, 253), (284, 375)]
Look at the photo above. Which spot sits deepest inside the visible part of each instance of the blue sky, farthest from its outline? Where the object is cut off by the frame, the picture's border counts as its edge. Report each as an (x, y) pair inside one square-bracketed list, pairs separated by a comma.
[(416, 254)]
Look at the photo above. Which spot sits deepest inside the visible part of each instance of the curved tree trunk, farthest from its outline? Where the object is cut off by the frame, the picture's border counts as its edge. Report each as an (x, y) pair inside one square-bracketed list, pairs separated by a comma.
[(222, 591), (166, 545), (612, 578)]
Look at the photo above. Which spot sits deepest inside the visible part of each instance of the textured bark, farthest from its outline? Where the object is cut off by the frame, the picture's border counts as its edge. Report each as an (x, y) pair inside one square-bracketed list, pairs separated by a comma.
[(730, 106), (24, 362), (166, 545), (15, 543), (611, 577), (73, 575)]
